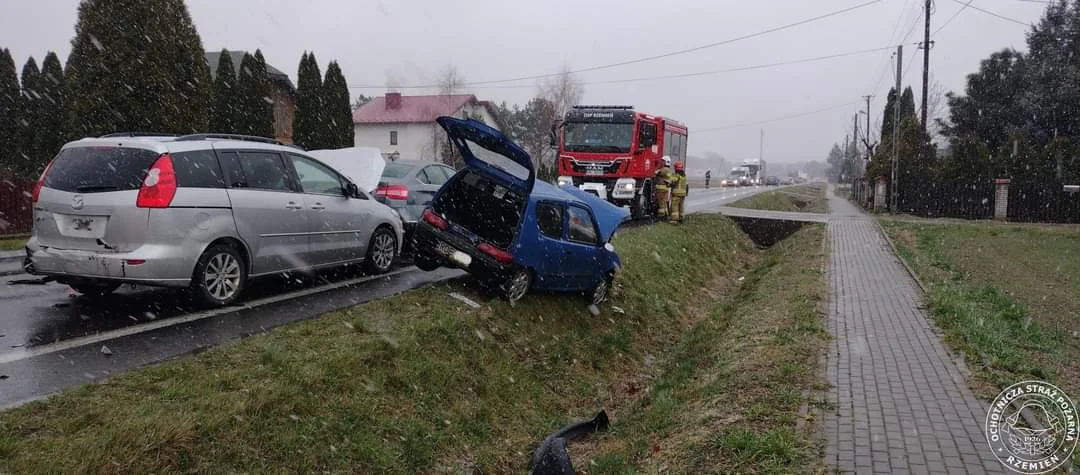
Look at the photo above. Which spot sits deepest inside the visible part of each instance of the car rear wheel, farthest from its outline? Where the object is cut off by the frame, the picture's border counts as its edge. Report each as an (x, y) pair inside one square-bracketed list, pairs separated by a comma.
[(425, 263), (220, 276), (381, 251), (517, 286), (94, 288)]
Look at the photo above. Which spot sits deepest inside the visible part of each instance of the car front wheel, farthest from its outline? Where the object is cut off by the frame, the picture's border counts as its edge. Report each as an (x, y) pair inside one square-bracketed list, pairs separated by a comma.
[(220, 276), (381, 251), (600, 293), (425, 263)]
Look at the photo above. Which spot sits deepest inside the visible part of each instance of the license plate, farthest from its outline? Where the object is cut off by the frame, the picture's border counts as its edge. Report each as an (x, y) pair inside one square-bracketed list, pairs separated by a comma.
[(455, 256), (92, 227), (594, 171)]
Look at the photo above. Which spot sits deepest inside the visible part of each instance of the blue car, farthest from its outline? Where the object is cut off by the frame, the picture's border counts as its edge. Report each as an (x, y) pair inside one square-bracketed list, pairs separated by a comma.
[(512, 232)]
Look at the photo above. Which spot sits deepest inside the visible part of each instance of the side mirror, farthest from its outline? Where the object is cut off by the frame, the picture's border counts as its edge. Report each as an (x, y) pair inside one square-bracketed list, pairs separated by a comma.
[(352, 191)]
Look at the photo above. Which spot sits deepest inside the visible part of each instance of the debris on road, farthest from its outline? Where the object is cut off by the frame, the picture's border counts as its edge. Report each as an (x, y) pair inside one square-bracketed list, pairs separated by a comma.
[(551, 457), (594, 310), (464, 299), (106, 351), (618, 310)]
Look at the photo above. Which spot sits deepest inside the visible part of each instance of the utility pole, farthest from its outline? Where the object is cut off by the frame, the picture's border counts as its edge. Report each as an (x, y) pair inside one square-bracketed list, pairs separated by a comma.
[(896, 130), (926, 63), (855, 153), (761, 146), (867, 142)]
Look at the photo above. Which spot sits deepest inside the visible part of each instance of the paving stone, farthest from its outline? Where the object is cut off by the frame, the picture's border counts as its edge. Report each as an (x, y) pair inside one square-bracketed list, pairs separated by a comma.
[(896, 387)]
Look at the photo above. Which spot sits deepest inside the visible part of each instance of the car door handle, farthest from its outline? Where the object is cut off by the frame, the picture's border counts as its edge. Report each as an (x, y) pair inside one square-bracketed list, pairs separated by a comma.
[(293, 205), (318, 206)]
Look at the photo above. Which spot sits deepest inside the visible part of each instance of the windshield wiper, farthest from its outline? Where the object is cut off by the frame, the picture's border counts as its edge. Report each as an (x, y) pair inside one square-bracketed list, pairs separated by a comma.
[(93, 188)]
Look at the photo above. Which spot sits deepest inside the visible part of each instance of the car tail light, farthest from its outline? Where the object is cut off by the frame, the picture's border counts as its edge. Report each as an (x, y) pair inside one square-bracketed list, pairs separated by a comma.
[(159, 186), (499, 254), (393, 192), (40, 182), (433, 219)]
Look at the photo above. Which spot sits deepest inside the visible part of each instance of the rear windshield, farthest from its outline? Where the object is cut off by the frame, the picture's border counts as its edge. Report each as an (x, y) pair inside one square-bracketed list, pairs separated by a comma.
[(489, 210), (396, 170), (99, 169)]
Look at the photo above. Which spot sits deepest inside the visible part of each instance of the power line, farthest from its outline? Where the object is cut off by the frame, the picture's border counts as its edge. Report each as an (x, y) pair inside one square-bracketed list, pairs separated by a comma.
[(885, 70), (954, 15), (777, 119), (718, 71), (653, 57), (988, 12)]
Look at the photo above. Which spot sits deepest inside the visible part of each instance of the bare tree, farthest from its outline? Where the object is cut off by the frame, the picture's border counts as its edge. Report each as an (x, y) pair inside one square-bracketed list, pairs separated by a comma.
[(451, 83), (564, 91), (937, 106)]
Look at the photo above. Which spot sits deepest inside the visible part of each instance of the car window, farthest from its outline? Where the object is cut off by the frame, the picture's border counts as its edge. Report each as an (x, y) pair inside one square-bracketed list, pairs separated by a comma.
[(582, 228), (314, 177), (234, 173), (198, 169), (100, 169), (549, 217), (264, 171), (435, 175), (396, 170)]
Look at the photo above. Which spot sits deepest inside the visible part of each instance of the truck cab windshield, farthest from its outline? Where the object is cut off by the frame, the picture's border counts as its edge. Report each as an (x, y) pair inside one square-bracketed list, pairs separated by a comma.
[(599, 137)]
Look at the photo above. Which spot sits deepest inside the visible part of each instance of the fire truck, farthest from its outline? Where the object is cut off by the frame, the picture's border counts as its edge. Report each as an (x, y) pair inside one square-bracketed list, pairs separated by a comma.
[(614, 152)]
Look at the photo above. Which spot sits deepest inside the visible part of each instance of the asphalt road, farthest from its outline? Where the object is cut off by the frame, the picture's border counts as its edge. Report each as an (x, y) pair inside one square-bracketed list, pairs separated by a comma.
[(51, 339)]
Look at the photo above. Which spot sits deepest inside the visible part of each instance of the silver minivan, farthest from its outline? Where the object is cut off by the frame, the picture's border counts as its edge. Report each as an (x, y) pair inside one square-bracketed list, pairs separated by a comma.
[(203, 211)]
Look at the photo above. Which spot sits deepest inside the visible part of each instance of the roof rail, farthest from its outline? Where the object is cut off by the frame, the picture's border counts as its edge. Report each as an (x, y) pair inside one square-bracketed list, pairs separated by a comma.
[(603, 107), (138, 134), (247, 138)]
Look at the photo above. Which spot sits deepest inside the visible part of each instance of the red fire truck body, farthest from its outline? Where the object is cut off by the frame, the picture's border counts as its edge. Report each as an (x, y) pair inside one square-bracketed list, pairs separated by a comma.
[(614, 152)]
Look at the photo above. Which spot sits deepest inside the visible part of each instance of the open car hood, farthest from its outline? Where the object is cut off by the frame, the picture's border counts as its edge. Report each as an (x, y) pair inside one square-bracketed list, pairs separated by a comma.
[(489, 151), (361, 165), (608, 216)]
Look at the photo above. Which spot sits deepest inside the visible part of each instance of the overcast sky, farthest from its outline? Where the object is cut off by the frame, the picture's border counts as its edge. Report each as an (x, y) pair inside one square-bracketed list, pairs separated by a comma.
[(406, 42)]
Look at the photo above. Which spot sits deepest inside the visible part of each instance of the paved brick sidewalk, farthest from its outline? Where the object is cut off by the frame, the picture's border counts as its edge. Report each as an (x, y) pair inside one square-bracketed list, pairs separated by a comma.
[(901, 403)]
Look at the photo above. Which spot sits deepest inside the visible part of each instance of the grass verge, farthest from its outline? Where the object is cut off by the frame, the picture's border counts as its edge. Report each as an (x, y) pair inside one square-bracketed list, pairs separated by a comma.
[(1007, 297), (417, 383), (13, 244), (808, 199), (729, 398)]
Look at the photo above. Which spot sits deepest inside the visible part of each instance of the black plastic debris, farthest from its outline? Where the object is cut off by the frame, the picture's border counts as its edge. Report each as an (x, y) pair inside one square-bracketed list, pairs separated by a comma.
[(552, 458)]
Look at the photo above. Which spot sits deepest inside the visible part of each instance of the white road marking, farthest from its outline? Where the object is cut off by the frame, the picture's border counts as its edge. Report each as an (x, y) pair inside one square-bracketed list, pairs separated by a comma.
[(25, 353)]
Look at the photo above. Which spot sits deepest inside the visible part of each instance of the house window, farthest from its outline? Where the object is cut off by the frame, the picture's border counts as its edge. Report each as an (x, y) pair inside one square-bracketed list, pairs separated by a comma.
[(393, 137)]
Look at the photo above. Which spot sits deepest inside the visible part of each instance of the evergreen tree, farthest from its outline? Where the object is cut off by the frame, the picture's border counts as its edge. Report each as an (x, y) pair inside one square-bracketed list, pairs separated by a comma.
[(147, 74), (225, 111), (255, 108), (29, 121), (9, 111), (306, 125), (53, 132), (264, 106), (336, 107)]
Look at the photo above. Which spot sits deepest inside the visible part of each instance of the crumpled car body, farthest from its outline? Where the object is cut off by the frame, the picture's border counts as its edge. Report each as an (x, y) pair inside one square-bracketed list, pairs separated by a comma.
[(496, 221)]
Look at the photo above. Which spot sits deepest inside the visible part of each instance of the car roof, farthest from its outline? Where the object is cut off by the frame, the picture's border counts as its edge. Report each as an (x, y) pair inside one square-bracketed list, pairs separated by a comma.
[(164, 142), (543, 190)]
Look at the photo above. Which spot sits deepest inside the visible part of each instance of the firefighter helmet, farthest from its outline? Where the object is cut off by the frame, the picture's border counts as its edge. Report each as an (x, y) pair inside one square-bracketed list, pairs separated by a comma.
[(667, 161), (679, 166)]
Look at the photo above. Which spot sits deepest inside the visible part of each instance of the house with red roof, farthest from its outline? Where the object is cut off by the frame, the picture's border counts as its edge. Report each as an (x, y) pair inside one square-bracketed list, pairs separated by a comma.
[(404, 126)]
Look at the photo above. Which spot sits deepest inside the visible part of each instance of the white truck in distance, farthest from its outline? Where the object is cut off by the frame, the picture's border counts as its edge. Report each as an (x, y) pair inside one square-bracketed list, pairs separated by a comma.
[(755, 170)]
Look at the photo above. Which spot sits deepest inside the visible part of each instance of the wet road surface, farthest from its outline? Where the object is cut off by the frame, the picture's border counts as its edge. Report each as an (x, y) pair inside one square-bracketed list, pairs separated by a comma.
[(51, 339)]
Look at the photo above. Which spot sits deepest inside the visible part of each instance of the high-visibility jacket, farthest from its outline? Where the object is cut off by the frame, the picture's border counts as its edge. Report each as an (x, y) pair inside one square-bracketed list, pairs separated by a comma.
[(678, 185), (663, 175)]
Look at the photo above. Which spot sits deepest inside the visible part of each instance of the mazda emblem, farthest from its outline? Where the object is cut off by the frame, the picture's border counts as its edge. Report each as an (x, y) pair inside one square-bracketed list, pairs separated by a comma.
[(76, 202)]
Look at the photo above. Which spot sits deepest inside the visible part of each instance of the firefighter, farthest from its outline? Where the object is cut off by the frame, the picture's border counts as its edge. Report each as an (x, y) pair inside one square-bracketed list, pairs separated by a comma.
[(663, 178), (708, 176), (678, 193)]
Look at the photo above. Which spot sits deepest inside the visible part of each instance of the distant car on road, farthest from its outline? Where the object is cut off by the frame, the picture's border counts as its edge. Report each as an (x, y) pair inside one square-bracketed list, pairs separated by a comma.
[(772, 181), (788, 181), (512, 232), (205, 211), (408, 186)]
